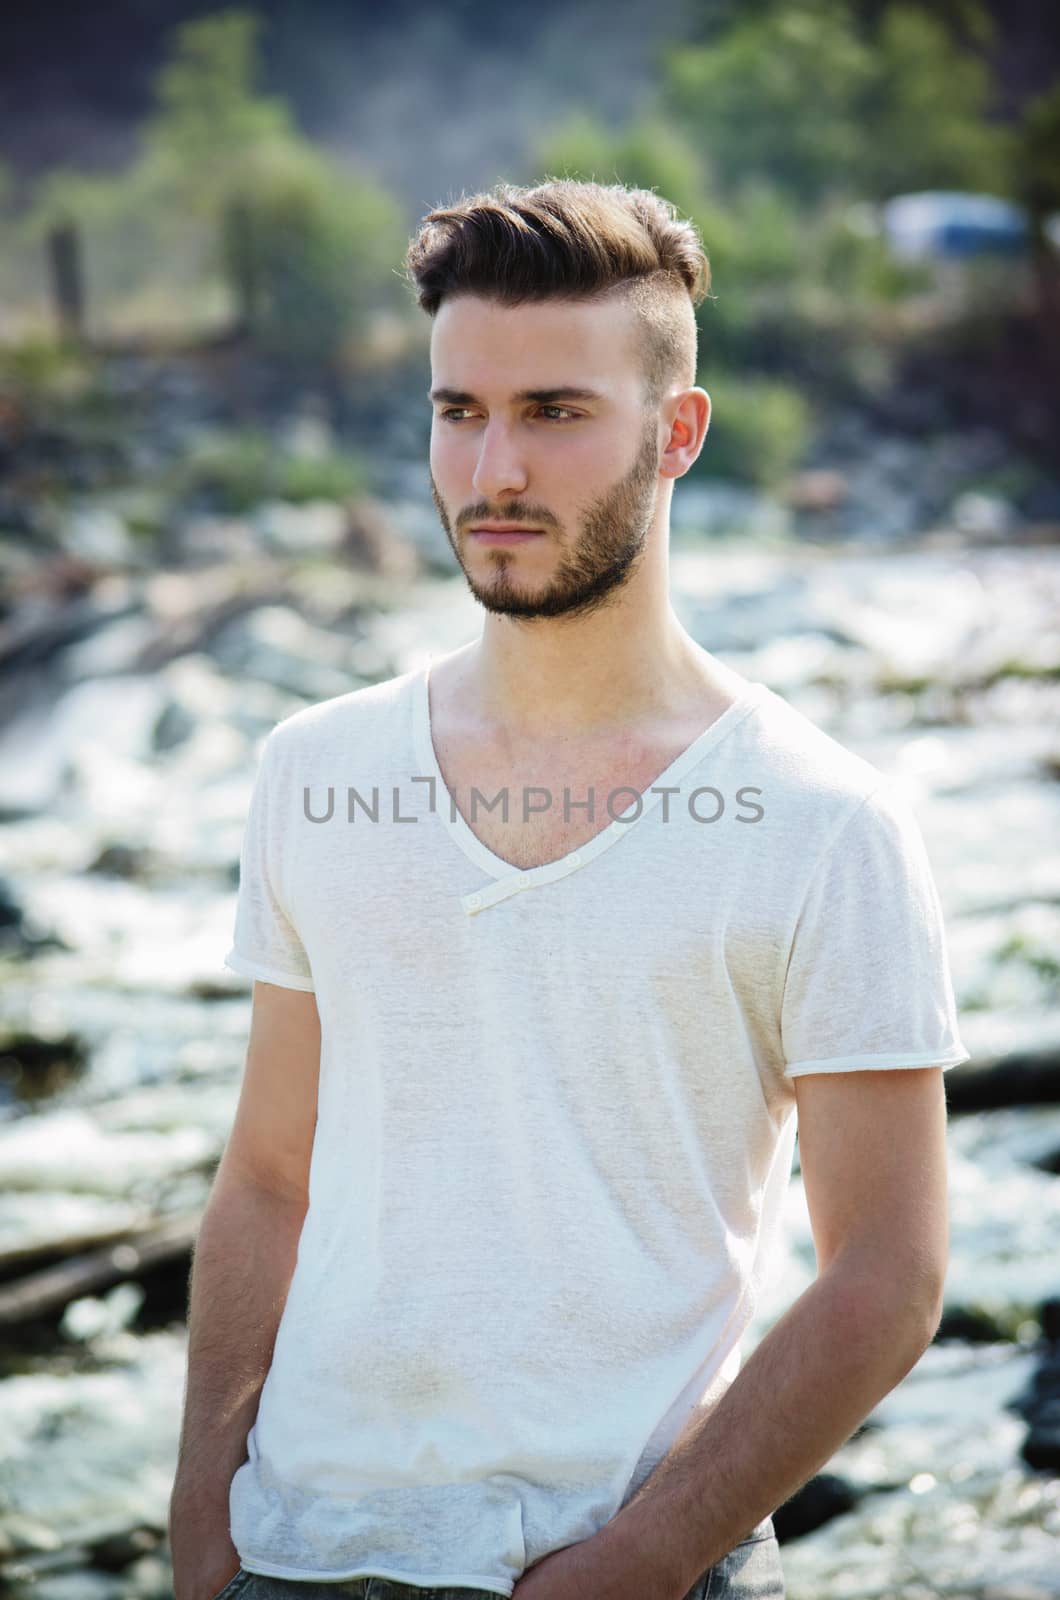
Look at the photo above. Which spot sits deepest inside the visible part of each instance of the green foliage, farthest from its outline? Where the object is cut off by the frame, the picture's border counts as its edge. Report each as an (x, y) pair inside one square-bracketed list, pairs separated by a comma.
[(799, 288), (233, 472), (761, 249), (758, 429), (775, 96), (1039, 152), (649, 153), (132, 230), (309, 249), (1030, 952), (926, 117), (64, 196), (54, 383), (803, 93), (211, 124), (331, 477), (771, 118), (304, 245), (228, 192), (42, 368), (848, 255)]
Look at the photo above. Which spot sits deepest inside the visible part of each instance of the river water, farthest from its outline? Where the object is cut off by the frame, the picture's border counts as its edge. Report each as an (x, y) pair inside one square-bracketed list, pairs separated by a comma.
[(124, 777)]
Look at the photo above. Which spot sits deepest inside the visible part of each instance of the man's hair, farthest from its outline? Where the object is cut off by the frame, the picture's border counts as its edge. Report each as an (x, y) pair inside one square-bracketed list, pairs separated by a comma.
[(567, 239)]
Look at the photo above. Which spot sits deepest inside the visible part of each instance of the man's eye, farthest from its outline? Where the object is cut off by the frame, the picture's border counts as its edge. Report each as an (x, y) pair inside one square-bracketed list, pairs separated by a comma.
[(452, 414)]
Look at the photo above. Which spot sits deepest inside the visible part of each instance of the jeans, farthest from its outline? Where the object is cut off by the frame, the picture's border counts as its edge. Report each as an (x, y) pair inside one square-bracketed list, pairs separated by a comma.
[(750, 1571)]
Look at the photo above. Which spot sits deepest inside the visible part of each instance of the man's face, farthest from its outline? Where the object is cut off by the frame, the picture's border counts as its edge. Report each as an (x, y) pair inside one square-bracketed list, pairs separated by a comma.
[(582, 469)]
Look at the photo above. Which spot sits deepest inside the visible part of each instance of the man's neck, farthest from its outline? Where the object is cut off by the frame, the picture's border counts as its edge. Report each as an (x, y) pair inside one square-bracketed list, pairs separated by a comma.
[(545, 695)]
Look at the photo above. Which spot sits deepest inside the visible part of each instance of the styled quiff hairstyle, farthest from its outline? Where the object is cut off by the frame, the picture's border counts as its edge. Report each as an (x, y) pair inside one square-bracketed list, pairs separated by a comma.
[(567, 239)]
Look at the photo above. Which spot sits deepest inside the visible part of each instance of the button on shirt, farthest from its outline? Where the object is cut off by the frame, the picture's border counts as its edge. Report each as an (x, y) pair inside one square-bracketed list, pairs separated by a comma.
[(556, 1116)]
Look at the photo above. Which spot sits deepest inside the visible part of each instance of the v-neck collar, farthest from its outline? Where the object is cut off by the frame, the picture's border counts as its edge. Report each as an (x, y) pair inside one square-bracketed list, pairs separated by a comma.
[(510, 879)]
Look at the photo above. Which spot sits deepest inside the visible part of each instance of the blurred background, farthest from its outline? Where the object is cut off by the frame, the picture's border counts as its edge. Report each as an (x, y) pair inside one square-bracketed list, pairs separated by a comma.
[(215, 509)]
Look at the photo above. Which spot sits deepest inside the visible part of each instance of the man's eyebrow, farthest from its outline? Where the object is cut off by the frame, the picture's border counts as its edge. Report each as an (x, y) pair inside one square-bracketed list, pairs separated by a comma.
[(460, 397)]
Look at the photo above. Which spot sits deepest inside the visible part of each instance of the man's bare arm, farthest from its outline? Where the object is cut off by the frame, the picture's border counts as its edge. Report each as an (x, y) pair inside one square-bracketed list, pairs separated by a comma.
[(242, 1266), (873, 1158)]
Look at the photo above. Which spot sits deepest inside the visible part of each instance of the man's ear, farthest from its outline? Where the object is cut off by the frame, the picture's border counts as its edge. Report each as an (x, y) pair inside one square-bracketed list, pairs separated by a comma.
[(689, 421)]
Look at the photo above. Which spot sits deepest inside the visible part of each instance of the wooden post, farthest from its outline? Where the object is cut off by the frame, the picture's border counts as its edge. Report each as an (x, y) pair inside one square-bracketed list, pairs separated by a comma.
[(242, 264), (67, 281)]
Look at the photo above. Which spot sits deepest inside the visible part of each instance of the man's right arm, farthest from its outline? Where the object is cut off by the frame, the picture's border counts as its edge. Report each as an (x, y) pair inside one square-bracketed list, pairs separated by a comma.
[(242, 1266)]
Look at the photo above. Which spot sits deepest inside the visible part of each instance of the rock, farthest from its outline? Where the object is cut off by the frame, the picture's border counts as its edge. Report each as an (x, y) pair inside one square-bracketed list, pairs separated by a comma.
[(98, 534), (64, 603), (1015, 1590), (121, 861), (718, 506), (969, 1324), (825, 1496), (272, 644), (20, 933), (982, 517), (375, 542), (1041, 1448), (317, 528), (1023, 1077), (176, 724), (87, 1470), (189, 608), (209, 539), (119, 1550), (115, 647), (308, 433), (1039, 1402), (817, 490), (97, 729), (34, 1067)]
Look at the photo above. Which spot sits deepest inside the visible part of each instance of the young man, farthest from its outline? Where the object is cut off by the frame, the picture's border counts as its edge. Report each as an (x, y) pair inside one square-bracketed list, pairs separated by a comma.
[(526, 1056)]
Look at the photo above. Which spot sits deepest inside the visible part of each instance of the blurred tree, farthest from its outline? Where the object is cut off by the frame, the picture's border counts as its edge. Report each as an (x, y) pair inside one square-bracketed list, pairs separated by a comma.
[(802, 92), (969, 21), (212, 124), (63, 196), (759, 425), (309, 250), (791, 285), (1038, 187), (64, 204), (758, 430), (775, 96), (226, 185), (649, 153), (1038, 163), (926, 112), (305, 245)]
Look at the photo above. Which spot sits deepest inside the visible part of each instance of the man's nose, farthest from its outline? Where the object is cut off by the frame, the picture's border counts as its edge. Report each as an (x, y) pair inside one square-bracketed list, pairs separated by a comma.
[(500, 469)]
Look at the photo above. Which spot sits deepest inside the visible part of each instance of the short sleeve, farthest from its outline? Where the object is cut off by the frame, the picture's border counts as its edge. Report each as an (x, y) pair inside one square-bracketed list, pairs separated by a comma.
[(265, 944), (868, 980)]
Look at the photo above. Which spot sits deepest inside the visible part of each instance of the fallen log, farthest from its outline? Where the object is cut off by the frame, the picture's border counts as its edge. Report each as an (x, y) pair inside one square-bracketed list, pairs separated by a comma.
[(42, 1293)]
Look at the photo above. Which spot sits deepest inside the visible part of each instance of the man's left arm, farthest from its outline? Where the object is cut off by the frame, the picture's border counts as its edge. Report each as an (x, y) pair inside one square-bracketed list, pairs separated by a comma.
[(872, 1150)]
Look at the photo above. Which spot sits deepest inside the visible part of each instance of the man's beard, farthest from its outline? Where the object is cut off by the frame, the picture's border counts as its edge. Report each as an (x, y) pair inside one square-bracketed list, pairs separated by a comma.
[(609, 544)]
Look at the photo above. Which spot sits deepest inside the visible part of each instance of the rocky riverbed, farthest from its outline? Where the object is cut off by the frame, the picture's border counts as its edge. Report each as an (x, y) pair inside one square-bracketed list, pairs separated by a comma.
[(133, 696)]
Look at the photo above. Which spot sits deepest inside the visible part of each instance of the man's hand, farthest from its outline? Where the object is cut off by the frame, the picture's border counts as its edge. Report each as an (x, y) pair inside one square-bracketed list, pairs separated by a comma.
[(599, 1568), (204, 1557), (202, 1575)]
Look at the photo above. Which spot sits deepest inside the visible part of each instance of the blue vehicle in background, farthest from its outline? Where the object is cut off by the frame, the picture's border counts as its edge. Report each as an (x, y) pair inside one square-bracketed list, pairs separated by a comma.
[(952, 225)]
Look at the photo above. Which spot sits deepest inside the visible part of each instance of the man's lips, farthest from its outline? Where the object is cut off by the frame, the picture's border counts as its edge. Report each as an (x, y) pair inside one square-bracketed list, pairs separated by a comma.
[(510, 533)]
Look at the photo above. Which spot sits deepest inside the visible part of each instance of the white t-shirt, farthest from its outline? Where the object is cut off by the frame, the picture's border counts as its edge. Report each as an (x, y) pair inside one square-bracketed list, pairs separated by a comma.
[(555, 1116)]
